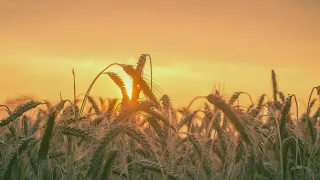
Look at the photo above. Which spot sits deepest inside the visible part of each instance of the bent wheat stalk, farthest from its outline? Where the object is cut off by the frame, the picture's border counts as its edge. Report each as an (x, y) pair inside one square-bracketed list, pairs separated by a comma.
[(19, 111), (91, 85), (235, 120)]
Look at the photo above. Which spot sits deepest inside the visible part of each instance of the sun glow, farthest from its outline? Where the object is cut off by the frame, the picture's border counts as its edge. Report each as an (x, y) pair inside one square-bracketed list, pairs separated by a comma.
[(127, 80)]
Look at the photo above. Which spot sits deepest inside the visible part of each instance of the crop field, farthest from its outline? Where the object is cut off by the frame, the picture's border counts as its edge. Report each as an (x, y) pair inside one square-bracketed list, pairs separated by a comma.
[(141, 136)]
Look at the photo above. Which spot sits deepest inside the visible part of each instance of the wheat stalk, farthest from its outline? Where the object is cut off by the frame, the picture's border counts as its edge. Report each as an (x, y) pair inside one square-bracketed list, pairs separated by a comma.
[(235, 120), (19, 111), (91, 85), (119, 82), (274, 85), (107, 165), (94, 105), (142, 83), (139, 69), (47, 136)]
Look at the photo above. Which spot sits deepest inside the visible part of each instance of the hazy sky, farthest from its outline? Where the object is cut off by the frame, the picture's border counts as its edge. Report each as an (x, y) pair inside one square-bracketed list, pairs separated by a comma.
[(194, 45)]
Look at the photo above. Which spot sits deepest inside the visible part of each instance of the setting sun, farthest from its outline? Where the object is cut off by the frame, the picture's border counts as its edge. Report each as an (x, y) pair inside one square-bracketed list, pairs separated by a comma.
[(127, 80)]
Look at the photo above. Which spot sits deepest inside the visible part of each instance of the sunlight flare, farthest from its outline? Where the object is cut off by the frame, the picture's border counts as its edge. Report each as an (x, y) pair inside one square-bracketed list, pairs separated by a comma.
[(127, 80)]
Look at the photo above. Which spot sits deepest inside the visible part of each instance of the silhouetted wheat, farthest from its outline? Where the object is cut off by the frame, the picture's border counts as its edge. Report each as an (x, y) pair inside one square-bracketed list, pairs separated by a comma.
[(147, 138)]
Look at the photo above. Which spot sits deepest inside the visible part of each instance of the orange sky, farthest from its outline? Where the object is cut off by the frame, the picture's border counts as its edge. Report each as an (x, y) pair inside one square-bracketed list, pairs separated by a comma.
[(194, 45)]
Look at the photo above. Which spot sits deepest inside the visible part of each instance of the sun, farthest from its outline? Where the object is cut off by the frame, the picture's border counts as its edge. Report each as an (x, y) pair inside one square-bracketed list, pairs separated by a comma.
[(127, 80)]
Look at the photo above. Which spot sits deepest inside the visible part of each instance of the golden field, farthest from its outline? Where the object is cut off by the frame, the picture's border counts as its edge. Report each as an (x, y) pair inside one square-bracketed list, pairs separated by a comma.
[(142, 136)]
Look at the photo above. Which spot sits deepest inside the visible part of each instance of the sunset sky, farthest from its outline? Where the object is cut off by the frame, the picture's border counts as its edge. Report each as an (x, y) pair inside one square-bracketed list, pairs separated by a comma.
[(194, 45)]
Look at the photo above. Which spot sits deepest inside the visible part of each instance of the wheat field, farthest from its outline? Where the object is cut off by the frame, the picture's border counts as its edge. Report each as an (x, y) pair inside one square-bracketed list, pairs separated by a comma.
[(142, 137)]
